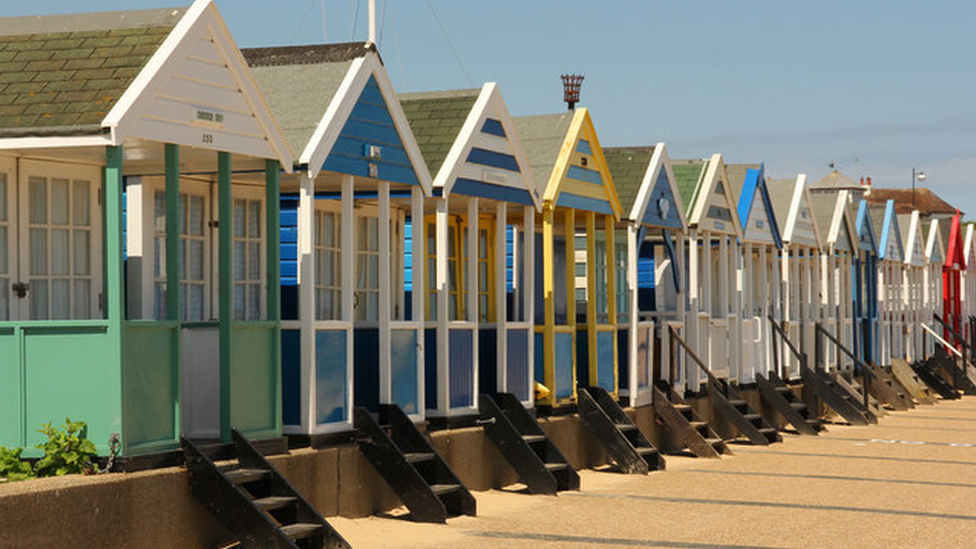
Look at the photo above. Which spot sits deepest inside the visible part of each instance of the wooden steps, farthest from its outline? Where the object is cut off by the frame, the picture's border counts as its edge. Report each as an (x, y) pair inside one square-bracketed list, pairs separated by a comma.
[(686, 425), (823, 387), (629, 449), (917, 389), (255, 503), (522, 442), (781, 397), (727, 402)]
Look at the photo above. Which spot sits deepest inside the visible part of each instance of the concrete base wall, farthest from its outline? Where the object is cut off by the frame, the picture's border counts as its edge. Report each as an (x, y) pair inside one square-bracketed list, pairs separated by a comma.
[(155, 508)]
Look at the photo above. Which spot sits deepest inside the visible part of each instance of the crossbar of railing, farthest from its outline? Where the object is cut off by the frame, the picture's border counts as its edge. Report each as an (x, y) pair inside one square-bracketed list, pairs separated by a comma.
[(778, 330), (865, 369), (676, 339), (940, 339)]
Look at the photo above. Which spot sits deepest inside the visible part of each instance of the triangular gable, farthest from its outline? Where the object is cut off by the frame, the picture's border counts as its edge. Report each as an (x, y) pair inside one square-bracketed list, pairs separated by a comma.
[(197, 90), (955, 256), (756, 210), (658, 203), (580, 179), (915, 242), (969, 250), (364, 131), (714, 201), (801, 229), (841, 235), (487, 159), (865, 231), (890, 246), (934, 247)]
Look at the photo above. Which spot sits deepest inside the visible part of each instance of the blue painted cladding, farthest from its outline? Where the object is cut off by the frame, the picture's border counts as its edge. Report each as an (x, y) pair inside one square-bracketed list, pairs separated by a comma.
[(461, 368), (564, 365), (366, 363), (288, 237), (652, 215), (509, 259), (584, 174), (470, 187), (605, 361), (583, 146), (291, 379), (493, 159), (430, 368), (494, 127), (408, 255), (403, 347), (331, 378), (748, 195), (370, 123), (584, 203), (518, 363)]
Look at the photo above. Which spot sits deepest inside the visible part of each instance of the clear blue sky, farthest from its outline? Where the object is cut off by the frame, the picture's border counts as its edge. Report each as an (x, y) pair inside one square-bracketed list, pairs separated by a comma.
[(877, 87)]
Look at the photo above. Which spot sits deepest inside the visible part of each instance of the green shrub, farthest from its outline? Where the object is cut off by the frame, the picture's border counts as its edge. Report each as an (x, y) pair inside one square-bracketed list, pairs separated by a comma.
[(66, 451), (11, 467)]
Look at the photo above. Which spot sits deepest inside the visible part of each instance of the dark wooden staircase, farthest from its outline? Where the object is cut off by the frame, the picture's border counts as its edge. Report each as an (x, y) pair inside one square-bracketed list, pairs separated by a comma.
[(887, 390), (909, 379), (728, 402), (864, 400), (403, 456), (629, 449), (778, 394), (522, 442), (255, 503), (937, 375), (687, 426)]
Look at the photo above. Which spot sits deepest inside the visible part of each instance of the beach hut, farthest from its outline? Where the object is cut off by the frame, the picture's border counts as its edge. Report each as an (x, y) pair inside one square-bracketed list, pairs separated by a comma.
[(139, 170), (575, 287), (712, 321), (891, 279), (913, 237), (800, 266), (649, 257), (866, 285), (352, 332), (967, 289), (952, 273), (838, 249), (761, 243), (479, 295), (933, 296)]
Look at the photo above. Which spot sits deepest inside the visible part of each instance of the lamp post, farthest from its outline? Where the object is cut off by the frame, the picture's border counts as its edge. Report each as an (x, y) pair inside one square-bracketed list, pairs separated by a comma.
[(921, 177)]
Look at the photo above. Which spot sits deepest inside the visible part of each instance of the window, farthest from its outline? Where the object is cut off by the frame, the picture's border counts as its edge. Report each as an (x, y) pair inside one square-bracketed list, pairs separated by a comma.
[(193, 282), (60, 238), (328, 277), (367, 269), (457, 250), (247, 259)]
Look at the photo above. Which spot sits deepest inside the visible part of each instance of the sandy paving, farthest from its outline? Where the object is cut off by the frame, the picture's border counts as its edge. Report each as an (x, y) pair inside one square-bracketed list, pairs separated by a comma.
[(908, 482)]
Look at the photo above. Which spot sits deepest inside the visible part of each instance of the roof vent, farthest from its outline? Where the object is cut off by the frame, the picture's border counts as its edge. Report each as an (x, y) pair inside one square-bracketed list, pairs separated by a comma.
[(571, 89)]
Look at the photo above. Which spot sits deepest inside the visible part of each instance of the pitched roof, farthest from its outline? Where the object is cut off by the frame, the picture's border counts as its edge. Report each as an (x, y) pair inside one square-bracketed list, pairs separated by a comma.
[(62, 74), (781, 195), (926, 201), (627, 167), (686, 175), (542, 138), (737, 175), (877, 214), (835, 181), (435, 119), (822, 207), (299, 98)]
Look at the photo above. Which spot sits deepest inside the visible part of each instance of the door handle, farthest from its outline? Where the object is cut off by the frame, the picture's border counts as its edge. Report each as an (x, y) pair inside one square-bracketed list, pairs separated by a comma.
[(20, 289)]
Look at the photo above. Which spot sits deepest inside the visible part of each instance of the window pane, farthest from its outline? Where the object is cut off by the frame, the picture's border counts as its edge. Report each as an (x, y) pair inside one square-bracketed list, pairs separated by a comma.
[(60, 299), (38, 200), (254, 219), (3, 253), (240, 260), (3, 197), (159, 258), (254, 261), (240, 207), (82, 299), (59, 252), (38, 251), (59, 201), (82, 252), (4, 299), (196, 215), (81, 203), (253, 301), (38, 295), (182, 217), (195, 263), (159, 300), (239, 301), (159, 212), (194, 301)]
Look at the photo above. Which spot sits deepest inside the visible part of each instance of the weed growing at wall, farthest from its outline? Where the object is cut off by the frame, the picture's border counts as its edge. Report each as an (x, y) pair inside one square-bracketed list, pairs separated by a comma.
[(67, 451)]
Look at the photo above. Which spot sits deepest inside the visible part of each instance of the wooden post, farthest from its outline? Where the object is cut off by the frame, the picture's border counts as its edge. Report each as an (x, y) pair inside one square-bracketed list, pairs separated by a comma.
[(443, 308), (173, 267), (593, 366), (611, 267), (528, 290), (384, 314), (306, 297), (549, 293), (500, 297), (225, 233)]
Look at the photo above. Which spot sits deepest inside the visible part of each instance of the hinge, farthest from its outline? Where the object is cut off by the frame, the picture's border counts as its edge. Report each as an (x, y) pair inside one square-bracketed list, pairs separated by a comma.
[(213, 223)]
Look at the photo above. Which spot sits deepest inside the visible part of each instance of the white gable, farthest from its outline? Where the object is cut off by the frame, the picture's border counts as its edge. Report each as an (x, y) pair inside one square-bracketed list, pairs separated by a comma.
[(197, 91), (915, 245), (715, 210), (801, 227), (758, 230), (934, 247)]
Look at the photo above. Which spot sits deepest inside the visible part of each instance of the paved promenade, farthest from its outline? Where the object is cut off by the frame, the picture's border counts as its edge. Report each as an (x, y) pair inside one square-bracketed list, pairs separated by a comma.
[(908, 482)]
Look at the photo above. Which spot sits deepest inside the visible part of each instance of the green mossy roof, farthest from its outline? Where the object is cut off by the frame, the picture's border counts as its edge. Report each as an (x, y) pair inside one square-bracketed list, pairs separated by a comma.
[(542, 138), (686, 176), (627, 167), (436, 119), (64, 83)]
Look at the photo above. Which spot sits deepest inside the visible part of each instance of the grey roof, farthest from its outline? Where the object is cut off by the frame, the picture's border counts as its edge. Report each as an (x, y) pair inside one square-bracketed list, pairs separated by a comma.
[(84, 22), (822, 208), (781, 196), (737, 176), (627, 166), (435, 119), (542, 138), (877, 213), (836, 181), (298, 98)]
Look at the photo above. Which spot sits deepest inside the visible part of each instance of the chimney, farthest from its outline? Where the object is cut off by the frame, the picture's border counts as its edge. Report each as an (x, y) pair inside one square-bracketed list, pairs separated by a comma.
[(571, 89), (869, 182), (862, 181)]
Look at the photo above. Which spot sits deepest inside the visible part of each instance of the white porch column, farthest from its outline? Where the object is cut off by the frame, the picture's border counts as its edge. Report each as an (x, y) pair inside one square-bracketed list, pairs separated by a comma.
[(501, 312), (385, 298), (443, 300), (528, 290), (633, 250), (306, 297)]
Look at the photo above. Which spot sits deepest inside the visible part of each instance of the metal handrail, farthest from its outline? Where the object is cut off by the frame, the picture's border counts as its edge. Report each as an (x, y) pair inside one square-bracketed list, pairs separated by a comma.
[(676, 340), (778, 330), (947, 345), (952, 331), (865, 369)]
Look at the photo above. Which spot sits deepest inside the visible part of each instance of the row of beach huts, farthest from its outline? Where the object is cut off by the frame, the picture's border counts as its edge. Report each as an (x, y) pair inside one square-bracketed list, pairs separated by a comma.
[(225, 245)]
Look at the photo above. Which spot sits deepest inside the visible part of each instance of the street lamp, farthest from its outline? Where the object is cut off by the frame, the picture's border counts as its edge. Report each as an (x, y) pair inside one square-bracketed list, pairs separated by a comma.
[(921, 177)]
